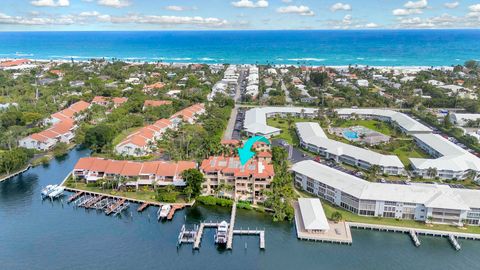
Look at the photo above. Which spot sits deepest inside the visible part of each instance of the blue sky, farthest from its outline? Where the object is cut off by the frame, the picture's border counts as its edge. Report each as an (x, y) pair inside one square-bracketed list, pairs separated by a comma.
[(33, 15)]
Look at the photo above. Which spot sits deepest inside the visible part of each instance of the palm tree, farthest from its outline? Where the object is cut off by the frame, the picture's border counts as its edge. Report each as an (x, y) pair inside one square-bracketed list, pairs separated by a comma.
[(431, 172), (374, 170)]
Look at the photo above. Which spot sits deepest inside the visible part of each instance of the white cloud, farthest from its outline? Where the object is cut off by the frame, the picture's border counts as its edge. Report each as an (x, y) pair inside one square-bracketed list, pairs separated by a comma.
[(51, 3), (474, 8), (300, 10), (371, 25), (54, 20), (340, 6), (421, 4), (168, 20), (406, 12), (411, 7), (179, 8), (287, 1), (347, 19), (250, 4), (114, 3), (89, 14), (452, 5), (443, 21)]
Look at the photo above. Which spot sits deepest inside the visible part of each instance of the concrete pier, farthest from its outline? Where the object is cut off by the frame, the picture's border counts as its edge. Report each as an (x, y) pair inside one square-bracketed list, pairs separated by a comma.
[(454, 242), (414, 237)]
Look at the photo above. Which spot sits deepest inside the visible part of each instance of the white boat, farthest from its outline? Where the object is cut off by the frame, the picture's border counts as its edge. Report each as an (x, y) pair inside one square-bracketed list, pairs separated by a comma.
[(56, 192), (163, 211), (48, 189), (221, 235)]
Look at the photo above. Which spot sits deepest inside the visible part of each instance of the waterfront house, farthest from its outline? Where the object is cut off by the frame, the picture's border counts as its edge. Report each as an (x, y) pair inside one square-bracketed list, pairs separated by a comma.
[(159, 173)]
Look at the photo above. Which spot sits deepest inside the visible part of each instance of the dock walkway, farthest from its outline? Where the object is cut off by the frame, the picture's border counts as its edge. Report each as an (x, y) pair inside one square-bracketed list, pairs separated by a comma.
[(231, 225), (458, 235), (75, 196), (114, 207), (143, 207), (260, 233)]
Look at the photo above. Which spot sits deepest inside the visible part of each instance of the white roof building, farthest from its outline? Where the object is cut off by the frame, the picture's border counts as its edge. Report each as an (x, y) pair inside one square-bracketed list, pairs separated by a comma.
[(452, 161), (314, 138), (255, 122), (462, 119), (408, 124), (417, 195), (312, 213)]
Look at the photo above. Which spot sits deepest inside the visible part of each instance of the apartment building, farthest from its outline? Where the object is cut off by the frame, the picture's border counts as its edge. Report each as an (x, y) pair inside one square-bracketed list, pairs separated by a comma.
[(226, 176)]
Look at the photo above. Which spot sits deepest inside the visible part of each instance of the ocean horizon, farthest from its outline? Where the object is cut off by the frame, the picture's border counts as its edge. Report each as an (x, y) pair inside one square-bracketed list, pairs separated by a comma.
[(292, 47)]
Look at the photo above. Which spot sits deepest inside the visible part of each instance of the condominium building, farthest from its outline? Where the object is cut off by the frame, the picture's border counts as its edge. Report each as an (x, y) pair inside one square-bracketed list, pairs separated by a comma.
[(226, 176), (255, 122), (449, 161), (423, 202), (313, 138), (62, 129), (143, 141), (407, 124), (159, 173)]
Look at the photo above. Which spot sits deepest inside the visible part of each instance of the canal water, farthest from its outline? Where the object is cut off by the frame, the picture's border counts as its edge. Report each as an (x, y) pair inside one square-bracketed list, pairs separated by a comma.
[(46, 235)]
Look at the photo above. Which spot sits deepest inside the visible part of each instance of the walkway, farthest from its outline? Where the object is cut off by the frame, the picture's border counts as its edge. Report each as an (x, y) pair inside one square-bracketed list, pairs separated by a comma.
[(231, 225)]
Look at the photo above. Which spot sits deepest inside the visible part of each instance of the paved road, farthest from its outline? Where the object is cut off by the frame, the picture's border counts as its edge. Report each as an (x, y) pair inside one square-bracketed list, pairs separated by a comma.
[(238, 94), (227, 135), (295, 154), (288, 99)]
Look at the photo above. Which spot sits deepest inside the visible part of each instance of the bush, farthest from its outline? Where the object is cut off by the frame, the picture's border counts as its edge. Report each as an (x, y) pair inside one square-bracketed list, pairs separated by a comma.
[(210, 200), (169, 197)]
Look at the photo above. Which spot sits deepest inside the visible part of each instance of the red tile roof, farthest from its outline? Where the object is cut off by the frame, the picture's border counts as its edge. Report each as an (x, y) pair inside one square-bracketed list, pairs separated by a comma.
[(156, 103), (132, 168), (232, 165), (14, 63)]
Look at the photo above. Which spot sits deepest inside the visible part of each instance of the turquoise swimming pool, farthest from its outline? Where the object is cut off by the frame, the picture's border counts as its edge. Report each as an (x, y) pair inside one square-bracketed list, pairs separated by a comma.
[(350, 135)]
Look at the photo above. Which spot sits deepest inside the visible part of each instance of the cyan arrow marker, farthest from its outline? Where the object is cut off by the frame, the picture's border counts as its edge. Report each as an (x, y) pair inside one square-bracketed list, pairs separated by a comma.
[(245, 153)]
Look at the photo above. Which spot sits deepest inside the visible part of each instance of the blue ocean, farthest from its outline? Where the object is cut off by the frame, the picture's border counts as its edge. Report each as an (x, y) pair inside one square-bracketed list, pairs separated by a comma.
[(365, 47)]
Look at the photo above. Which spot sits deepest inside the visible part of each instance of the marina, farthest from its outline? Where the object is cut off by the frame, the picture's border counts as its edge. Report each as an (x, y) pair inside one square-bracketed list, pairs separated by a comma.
[(69, 229), (224, 232)]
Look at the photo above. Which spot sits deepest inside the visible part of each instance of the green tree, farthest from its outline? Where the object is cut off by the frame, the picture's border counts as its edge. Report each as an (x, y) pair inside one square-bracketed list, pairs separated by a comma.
[(99, 136), (193, 179), (60, 149), (336, 216)]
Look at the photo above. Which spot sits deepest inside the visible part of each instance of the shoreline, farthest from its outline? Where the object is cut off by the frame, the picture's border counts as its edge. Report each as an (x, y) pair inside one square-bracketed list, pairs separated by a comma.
[(185, 61)]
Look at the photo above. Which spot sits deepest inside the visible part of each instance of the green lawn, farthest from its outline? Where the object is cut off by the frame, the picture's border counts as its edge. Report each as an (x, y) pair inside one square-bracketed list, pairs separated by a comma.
[(375, 125), (348, 216), (288, 135)]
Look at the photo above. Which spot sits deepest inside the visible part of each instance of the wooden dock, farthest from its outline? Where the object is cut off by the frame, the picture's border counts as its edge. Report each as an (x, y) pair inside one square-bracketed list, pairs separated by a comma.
[(143, 207), (114, 207), (198, 236), (172, 211), (260, 233), (75, 196), (93, 201), (106, 195), (231, 225)]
